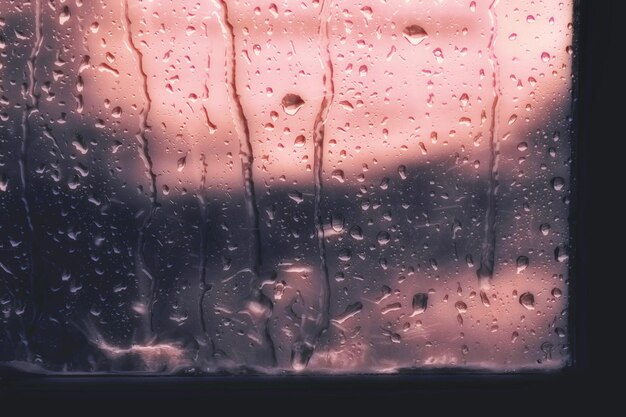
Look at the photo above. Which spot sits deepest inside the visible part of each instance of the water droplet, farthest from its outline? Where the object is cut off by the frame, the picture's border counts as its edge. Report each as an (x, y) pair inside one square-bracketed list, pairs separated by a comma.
[(561, 253), (383, 238), (350, 311), (180, 164), (484, 299), (438, 53), (557, 183), (292, 103), (547, 348), (460, 306), (356, 233), (527, 300), (367, 12), (464, 99), (337, 223), (402, 172), (4, 182), (545, 57), (544, 229), (344, 254), (420, 303), (556, 292), (391, 307), (300, 141), (415, 34), (296, 196), (65, 15), (521, 263), (338, 175), (300, 355)]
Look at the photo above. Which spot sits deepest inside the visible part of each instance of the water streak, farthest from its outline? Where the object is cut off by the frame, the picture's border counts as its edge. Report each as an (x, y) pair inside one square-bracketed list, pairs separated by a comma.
[(37, 286), (305, 346), (487, 256), (150, 299), (247, 158), (204, 237)]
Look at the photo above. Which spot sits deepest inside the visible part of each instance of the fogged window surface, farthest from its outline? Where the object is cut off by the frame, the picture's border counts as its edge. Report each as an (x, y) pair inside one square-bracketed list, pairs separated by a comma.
[(310, 185)]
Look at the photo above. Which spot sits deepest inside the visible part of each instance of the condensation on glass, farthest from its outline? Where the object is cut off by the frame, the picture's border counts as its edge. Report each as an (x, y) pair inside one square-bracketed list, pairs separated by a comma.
[(317, 185)]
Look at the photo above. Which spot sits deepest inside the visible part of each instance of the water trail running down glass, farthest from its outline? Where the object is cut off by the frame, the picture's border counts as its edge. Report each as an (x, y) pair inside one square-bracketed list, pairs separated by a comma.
[(305, 346), (488, 249), (204, 231), (37, 285), (257, 298), (148, 297)]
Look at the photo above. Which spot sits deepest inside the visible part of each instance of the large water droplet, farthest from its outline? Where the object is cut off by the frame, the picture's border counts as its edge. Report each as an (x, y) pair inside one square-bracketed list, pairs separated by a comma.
[(300, 141), (527, 300), (356, 233), (415, 34), (460, 306), (292, 103), (420, 303)]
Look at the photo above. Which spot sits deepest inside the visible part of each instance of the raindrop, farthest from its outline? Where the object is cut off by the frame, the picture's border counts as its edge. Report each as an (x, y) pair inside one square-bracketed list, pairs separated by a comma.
[(180, 164), (415, 34), (296, 196), (338, 175), (300, 141), (527, 300), (383, 238), (420, 303), (402, 172), (337, 223), (344, 254), (292, 103), (65, 15), (557, 183), (521, 263), (464, 99), (561, 254), (356, 233), (350, 311), (484, 299)]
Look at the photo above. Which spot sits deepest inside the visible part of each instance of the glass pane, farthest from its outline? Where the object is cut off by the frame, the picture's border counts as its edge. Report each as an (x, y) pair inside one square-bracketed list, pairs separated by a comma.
[(320, 186)]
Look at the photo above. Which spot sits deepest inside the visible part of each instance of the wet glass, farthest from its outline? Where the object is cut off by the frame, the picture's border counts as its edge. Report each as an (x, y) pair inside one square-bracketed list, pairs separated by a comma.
[(298, 186)]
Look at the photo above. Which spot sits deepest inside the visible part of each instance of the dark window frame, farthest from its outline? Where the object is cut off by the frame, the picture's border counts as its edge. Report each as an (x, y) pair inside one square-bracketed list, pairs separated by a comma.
[(442, 390)]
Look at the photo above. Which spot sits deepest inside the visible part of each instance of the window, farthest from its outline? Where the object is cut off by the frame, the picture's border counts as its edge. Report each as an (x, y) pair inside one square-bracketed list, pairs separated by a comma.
[(298, 186)]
